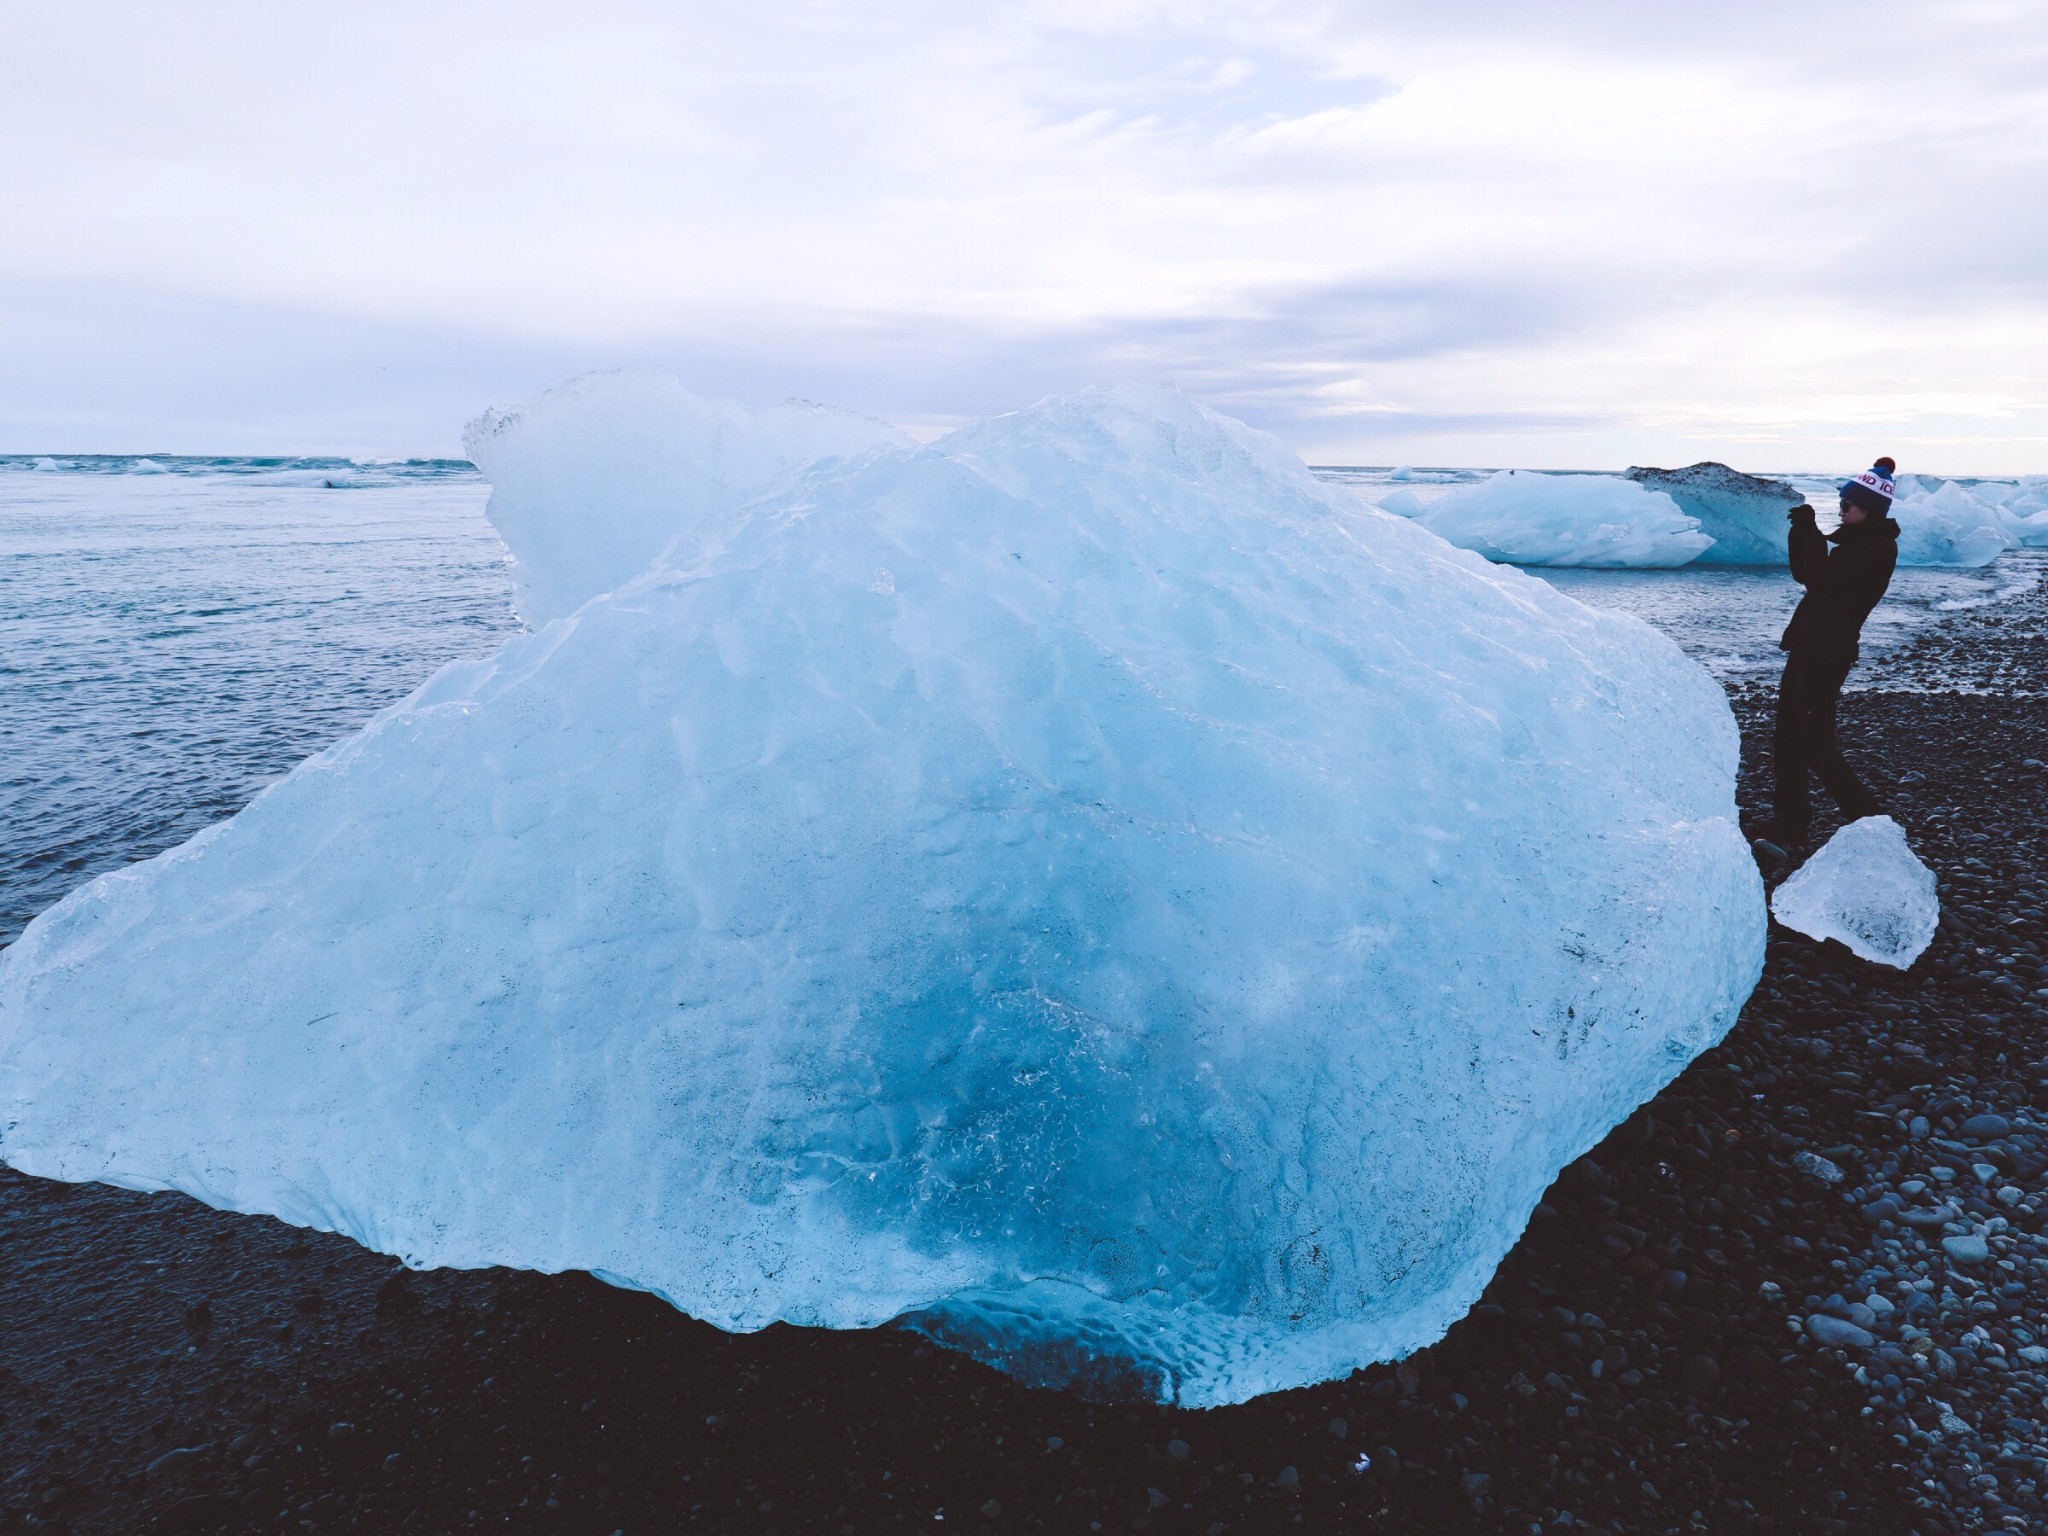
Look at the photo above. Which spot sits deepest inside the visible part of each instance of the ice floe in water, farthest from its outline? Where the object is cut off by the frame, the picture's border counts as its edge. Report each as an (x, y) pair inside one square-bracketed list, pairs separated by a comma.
[(1743, 514), (1527, 518), (1083, 886), (1948, 526), (2022, 508), (1867, 889)]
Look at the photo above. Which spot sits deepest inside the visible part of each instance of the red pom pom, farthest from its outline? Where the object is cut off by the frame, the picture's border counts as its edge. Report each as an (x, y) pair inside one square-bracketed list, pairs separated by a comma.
[(1890, 469)]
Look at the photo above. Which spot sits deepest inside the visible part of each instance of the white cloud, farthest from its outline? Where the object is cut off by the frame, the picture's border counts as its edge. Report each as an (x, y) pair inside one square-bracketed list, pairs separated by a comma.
[(1473, 232)]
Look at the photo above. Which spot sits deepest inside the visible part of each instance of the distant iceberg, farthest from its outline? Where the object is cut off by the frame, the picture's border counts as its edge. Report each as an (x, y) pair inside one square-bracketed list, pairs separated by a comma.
[(1083, 887), (2022, 508), (1941, 523), (1524, 517), (1743, 514), (1949, 526)]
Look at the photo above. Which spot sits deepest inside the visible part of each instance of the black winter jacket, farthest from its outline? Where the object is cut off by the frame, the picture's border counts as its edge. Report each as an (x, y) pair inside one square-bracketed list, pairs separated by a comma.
[(1842, 584)]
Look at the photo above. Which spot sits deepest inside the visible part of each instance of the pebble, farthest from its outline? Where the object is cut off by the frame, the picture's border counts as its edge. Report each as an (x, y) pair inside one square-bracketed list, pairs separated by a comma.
[(1819, 1167), (1969, 1249), (1838, 1332), (198, 1511), (1700, 1374), (171, 1460)]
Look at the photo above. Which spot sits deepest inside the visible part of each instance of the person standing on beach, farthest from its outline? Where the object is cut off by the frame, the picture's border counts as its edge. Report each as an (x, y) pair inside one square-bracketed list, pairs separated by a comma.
[(1842, 586)]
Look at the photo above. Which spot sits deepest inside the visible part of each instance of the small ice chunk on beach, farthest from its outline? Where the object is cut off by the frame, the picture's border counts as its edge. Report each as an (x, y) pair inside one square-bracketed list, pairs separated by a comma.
[(47, 466), (1403, 503), (1867, 889), (147, 467), (1523, 517)]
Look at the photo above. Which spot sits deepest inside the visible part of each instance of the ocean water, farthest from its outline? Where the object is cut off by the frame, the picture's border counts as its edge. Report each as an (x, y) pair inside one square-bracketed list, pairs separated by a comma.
[(172, 641), (177, 632)]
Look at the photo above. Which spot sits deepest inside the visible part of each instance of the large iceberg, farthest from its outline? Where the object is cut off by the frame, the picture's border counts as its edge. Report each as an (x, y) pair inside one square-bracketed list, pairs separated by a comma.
[(1743, 514), (1082, 887), (1527, 518), (1866, 889)]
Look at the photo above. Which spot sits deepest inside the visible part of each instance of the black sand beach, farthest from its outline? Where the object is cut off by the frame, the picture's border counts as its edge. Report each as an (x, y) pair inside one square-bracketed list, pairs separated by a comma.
[(1634, 1368)]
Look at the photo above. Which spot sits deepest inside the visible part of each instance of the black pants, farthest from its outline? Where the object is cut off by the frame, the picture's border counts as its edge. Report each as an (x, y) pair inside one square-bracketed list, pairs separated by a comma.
[(1805, 740)]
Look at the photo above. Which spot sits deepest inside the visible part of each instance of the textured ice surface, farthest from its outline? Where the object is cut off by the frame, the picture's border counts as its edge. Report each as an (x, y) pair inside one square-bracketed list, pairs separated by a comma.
[(2028, 531), (1527, 518), (1960, 512), (1743, 514), (1085, 885), (1948, 526), (1867, 889), (594, 479), (2021, 507)]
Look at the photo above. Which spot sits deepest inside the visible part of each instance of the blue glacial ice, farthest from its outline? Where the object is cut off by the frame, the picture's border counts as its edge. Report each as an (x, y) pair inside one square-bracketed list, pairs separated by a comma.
[(1743, 514), (1944, 524), (2022, 508), (594, 480), (1528, 518), (1082, 887), (1866, 889)]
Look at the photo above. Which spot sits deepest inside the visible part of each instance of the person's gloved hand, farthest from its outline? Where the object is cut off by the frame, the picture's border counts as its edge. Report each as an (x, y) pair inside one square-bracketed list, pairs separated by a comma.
[(1802, 516)]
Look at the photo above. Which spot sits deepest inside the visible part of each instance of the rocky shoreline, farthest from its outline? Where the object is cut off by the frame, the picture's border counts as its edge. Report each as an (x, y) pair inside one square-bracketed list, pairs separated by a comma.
[(1805, 1290)]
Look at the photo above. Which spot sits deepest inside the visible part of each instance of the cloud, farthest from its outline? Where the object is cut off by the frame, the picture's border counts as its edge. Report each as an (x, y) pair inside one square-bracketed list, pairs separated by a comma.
[(1474, 230)]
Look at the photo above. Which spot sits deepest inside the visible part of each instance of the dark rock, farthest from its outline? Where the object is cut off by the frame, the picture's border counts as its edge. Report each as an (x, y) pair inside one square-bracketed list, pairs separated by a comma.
[(1700, 1374), (196, 1512), (178, 1459)]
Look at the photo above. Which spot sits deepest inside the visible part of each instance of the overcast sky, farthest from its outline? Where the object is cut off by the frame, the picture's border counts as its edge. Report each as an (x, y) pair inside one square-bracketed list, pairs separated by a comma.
[(1560, 235)]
